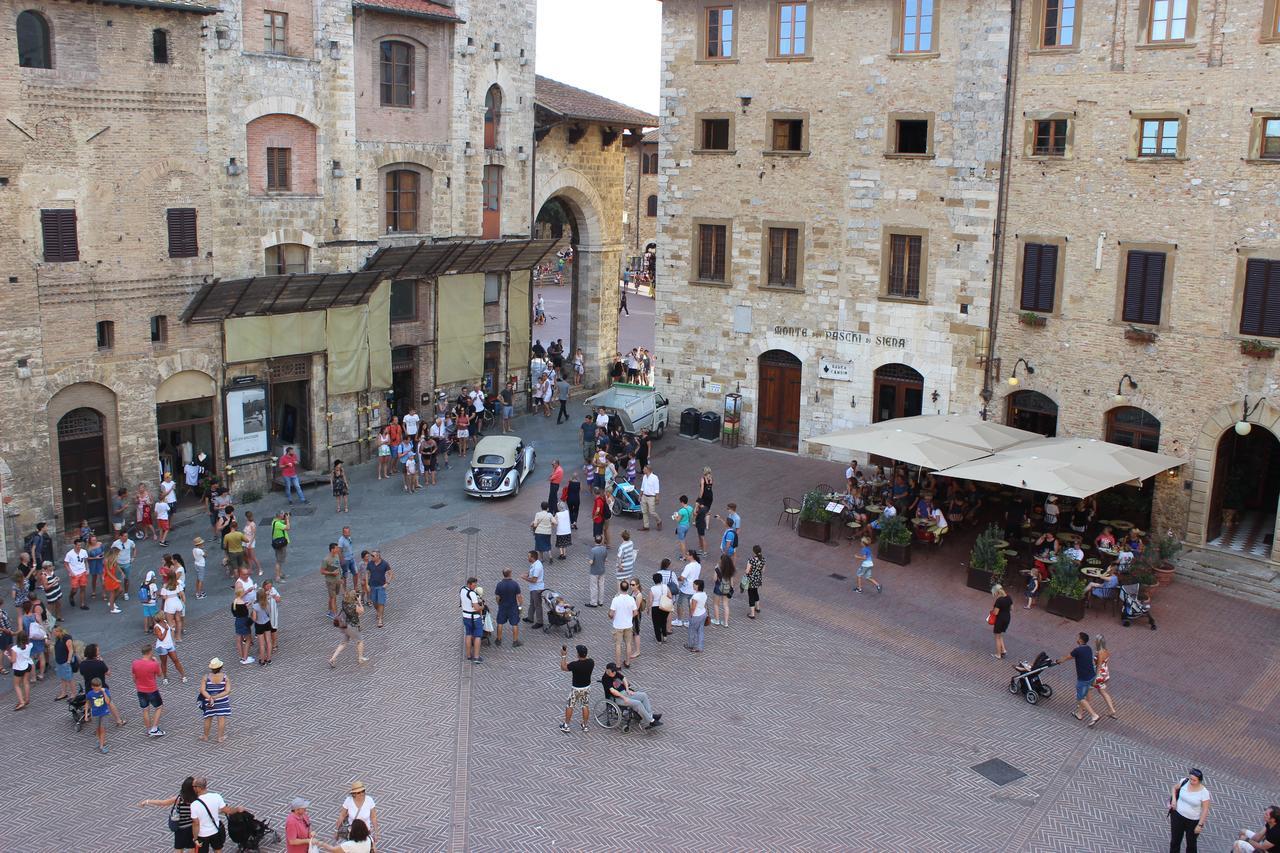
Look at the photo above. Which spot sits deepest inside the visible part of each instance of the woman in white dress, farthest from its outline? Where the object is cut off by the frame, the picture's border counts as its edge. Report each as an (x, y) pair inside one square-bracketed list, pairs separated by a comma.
[(175, 607)]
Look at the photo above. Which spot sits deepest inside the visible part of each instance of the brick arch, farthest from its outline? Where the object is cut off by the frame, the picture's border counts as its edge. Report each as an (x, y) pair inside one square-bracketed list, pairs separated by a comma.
[(1204, 463), (158, 170), (288, 235), (577, 192), (81, 387), (281, 104), (187, 360)]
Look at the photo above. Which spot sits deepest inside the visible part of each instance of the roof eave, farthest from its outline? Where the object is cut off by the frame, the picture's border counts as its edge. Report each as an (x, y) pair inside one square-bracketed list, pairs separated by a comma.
[(407, 13), (166, 6)]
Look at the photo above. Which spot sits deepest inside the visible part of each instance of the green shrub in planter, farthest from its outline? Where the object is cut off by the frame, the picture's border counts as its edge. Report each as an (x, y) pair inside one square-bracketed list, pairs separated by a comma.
[(1065, 581), (895, 531), (813, 507), (987, 561)]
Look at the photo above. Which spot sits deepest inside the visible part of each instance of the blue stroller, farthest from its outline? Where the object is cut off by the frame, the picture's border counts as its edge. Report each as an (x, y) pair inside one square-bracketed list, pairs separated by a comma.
[(624, 499)]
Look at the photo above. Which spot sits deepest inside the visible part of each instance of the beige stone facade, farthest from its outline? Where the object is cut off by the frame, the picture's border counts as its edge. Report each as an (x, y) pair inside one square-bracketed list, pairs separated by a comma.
[(640, 200)]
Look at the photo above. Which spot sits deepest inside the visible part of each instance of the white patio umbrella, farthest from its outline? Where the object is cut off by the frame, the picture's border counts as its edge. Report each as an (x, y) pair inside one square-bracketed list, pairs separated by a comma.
[(969, 430), (931, 441)]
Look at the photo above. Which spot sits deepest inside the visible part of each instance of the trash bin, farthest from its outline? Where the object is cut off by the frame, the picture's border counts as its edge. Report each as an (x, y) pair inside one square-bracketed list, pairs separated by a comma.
[(689, 422), (710, 427)]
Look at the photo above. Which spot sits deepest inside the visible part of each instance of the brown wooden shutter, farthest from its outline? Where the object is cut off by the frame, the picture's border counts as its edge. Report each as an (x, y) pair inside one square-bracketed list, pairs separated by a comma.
[(1260, 312), (1039, 276), (58, 228), (182, 232), (1143, 287), (913, 267), (777, 256)]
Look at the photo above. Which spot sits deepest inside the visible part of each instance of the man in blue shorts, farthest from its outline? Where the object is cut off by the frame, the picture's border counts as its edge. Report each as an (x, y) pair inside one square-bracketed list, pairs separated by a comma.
[(472, 620), (347, 553), (1082, 654), (377, 574), (510, 600)]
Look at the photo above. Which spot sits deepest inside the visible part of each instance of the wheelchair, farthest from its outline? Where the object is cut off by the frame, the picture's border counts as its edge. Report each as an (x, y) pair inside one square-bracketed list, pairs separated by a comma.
[(611, 714)]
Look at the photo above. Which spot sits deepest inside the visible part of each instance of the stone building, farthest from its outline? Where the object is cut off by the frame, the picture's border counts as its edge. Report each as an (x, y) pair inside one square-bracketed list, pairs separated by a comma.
[(107, 226), (640, 200), (1141, 271), (828, 177)]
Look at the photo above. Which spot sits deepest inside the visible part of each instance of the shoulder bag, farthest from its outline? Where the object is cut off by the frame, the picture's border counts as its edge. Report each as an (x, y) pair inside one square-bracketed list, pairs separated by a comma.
[(175, 816), (1177, 792)]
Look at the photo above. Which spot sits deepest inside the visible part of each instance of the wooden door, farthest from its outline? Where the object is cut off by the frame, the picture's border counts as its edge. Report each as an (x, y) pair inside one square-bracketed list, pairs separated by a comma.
[(899, 393), (82, 458), (779, 418)]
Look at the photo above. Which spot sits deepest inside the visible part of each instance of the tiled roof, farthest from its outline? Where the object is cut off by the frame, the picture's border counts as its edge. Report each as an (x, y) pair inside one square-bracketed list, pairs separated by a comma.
[(173, 5), (571, 102), (410, 8), (651, 136)]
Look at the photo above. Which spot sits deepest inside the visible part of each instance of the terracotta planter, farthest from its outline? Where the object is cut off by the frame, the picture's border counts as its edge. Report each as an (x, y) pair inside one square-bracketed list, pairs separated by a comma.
[(1037, 321), (818, 531), (890, 553), (1165, 575), (978, 579), (1258, 352), (1149, 590), (1067, 608), (1140, 336)]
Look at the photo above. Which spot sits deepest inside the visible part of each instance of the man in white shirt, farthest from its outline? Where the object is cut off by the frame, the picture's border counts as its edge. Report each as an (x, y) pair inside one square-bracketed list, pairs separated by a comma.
[(206, 816), (602, 419), (124, 545), (939, 525), (697, 616), (1074, 552), (77, 564), (649, 489), (622, 611), (411, 422), (691, 572), (472, 620), (534, 577)]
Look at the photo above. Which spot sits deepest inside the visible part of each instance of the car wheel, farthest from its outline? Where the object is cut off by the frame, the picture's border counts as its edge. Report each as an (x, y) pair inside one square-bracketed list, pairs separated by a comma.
[(662, 428)]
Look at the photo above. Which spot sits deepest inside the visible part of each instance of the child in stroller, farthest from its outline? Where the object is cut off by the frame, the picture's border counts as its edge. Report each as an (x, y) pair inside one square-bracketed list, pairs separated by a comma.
[(248, 832), (1133, 606), (1027, 681), (560, 614), (624, 498)]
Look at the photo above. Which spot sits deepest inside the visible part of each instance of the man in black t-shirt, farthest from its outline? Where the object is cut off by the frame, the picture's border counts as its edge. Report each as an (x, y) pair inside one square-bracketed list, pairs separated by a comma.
[(581, 670), (1267, 838), (92, 667), (616, 688)]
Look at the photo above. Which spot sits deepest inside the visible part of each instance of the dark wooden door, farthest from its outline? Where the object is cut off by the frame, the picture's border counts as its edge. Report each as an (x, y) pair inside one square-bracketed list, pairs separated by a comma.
[(82, 458), (779, 419)]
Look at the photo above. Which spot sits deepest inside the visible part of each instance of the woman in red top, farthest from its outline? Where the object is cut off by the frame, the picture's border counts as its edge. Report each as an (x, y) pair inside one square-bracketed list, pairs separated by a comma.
[(598, 525), (464, 432)]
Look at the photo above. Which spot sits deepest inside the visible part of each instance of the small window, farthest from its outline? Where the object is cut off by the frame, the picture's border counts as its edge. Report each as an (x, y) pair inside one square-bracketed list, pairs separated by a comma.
[(792, 29), (911, 136), (182, 232), (711, 248), (492, 288), (788, 134), (1270, 147), (34, 46), (58, 228), (274, 24), (649, 163), (492, 117), (651, 206), (1260, 310), (917, 26), (404, 300), (287, 259), (492, 187), (1143, 287), (160, 47), (1051, 138), (159, 329), (278, 169), (904, 265), (783, 260), (1159, 137), (106, 334), (1168, 20), (1039, 276), (396, 74), (719, 33), (1059, 29), (402, 201), (715, 134)]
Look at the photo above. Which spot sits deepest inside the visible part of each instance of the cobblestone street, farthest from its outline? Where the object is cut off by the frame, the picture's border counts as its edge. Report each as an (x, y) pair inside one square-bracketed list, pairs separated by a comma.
[(834, 721)]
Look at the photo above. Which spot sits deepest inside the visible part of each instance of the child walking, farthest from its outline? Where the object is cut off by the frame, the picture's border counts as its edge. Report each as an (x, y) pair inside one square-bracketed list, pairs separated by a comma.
[(864, 570), (97, 706)]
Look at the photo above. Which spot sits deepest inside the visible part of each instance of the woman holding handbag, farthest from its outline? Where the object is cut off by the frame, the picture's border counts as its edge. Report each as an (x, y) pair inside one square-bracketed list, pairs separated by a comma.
[(998, 618), (179, 815), (662, 601), (754, 579), (1188, 810), (347, 620)]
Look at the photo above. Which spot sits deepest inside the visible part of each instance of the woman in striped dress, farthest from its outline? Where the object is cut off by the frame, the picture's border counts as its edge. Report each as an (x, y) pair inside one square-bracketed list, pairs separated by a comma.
[(215, 699), (52, 589)]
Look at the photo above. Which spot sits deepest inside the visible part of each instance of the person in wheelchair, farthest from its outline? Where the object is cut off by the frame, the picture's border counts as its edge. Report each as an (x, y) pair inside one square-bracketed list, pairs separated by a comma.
[(617, 690)]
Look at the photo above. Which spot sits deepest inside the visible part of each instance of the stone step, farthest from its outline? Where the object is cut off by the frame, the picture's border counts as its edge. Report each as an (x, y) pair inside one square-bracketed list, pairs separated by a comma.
[(1257, 581)]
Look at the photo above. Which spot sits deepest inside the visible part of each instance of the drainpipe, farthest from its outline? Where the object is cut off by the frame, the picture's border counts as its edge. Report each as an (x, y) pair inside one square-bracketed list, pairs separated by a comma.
[(1002, 204)]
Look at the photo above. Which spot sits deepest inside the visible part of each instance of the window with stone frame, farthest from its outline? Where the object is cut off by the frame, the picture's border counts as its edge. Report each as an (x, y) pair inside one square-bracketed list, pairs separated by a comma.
[(1158, 137), (395, 74), (1058, 23), (1050, 138), (787, 134), (287, 259), (719, 32), (917, 26), (1039, 276), (710, 252), (911, 136), (403, 192), (782, 261), (274, 26), (904, 265), (1143, 287), (1269, 142), (1260, 306), (649, 163), (1169, 20), (279, 169), (715, 134), (791, 29)]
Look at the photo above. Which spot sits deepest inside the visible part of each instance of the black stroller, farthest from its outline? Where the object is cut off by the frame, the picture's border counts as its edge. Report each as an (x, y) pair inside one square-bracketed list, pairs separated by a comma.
[(1133, 607), (1027, 681), (249, 833), (75, 704)]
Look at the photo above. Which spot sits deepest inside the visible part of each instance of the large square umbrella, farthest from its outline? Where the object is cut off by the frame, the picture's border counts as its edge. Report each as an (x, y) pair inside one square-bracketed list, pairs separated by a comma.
[(930, 441)]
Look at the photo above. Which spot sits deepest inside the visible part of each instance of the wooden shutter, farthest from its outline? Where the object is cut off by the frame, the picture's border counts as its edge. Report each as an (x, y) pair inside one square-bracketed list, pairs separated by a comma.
[(1039, 276), (1143, 287), (1260, 312), (711, 246), (58, 228), (182, 232)]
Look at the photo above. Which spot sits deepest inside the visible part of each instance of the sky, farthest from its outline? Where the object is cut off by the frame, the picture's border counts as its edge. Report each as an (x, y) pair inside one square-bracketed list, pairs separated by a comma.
[(610, 47)]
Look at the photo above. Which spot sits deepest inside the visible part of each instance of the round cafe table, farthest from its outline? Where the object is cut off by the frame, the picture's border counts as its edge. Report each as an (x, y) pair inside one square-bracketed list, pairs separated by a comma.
[(1069, 536), (874, 509), (1122, 525)]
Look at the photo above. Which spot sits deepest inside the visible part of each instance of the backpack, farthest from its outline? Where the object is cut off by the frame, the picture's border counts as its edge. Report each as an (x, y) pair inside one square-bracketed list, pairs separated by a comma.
[(731, 539), (144, 593)]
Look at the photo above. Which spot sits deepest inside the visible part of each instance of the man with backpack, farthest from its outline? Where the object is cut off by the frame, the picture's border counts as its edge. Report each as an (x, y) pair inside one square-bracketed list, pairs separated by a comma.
[(39, 545), (729, 540)]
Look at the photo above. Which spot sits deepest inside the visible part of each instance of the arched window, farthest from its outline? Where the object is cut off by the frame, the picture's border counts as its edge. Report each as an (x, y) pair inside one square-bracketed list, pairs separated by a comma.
[(649, 164), (492, 117), (652, 206), (403, 191), (396, 74), (160, 47), (34, 48), (1034, 412), (287, 258), (899, 392), (1133, 427)]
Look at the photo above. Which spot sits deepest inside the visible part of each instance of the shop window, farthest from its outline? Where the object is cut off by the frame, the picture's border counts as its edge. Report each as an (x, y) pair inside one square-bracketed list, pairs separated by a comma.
[(182, 232), (106, 335), (395, 68), (404, 300), (35, 47), (58, 228), (1032, 411), (1133, 427), (287, 259), (160, 47)]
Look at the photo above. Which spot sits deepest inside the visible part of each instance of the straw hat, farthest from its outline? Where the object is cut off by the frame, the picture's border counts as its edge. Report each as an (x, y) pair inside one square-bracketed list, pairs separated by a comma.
[(199, 540), (357, 787), (215, 664)]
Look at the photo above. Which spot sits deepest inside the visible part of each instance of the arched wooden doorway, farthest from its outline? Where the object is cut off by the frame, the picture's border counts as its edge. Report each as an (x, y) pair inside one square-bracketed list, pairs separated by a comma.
[(899, 392), (1132, 427), (778, 423), (1246, 487), (82, 458), (1034, 412)]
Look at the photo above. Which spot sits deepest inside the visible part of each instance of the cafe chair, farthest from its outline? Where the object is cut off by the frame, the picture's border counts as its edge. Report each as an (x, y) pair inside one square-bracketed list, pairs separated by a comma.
[(825, 489), (1109, 597), (790, 511)]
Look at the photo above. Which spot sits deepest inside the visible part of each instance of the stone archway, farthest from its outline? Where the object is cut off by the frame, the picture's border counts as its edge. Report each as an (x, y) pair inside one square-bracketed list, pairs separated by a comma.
[(1208, 482)]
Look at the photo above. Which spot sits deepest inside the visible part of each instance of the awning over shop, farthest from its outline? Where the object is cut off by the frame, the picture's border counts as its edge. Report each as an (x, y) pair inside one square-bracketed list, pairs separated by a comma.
[(458, 257), (931, 441), (460, 347), (279, 294)]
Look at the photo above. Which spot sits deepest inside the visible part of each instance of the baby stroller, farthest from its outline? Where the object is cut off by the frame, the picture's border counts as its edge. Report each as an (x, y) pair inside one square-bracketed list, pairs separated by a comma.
[(625, 499), (1027, 681), (250, 833), (565, 620), (1133, 607), (76, 706)]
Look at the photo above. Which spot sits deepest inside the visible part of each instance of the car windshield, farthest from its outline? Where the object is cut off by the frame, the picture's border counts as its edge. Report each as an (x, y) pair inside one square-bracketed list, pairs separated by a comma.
[(491, 459)]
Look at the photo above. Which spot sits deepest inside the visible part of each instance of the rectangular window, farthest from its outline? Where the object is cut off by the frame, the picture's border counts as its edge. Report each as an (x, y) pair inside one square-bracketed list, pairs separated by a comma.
[(715, 134), (396, 74), (404, 300), (160, 47), (1143, 287), (492, 288), (287, 259), (159, 329), (788, 134), (1168, 20), (1051, 138), (278, 162), (1270, 148), (273, 25), (651, 206), (911, 136), (58, 228), (1260, 311), (106, 334), (1059, 28), (182, 232), (783, 260), (793, 29), (719, 32), (649, 164), (1159, 137), (904, 265), (712, 241), (1039, 276), (917, 26), (492, 187), (402, 201)]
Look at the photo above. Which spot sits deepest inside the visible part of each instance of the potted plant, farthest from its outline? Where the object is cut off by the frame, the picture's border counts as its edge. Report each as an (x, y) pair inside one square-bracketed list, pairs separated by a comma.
[(1031, 318), (1136, 333), (814, 521), (986, 561), (1166, 548), (1065, 590), (1257, 349), (894, 545), (1142, 571)]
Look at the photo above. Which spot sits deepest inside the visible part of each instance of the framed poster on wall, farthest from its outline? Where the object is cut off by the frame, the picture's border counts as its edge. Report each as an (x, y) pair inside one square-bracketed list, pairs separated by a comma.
[(246, 420)]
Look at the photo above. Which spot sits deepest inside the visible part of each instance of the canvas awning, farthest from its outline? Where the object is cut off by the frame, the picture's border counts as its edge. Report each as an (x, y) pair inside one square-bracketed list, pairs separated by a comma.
[(280, 294), (458, 257), (931, 441)]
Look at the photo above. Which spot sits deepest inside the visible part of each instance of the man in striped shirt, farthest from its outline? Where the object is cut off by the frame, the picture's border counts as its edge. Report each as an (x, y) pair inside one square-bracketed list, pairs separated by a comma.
[(626, 557)]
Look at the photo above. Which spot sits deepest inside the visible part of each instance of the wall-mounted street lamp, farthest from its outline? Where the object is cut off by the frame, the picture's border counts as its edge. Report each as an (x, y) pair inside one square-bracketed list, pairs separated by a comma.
[(1119, 395), (1013, 375)]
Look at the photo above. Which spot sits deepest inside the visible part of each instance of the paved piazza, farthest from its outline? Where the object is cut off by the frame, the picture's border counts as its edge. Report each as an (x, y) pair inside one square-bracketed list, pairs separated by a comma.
[(833, 722)]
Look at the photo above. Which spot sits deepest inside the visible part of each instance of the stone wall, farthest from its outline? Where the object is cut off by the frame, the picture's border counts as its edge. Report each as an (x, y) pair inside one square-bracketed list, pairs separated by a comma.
[(640, 229)]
